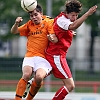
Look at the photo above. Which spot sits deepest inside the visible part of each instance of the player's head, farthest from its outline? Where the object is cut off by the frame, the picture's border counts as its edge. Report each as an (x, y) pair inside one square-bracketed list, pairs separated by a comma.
[(36, 14), (72, 9)]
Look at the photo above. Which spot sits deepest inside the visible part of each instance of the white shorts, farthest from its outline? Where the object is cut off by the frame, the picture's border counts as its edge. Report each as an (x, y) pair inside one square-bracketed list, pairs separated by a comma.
[(37, 62)]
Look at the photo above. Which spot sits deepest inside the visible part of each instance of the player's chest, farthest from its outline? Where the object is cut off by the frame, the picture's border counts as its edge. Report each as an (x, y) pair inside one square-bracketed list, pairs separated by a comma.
[(38, 30)]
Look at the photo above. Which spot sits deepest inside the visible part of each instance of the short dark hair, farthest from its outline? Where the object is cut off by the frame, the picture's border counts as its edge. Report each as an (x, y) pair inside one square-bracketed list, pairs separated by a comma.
[(39, 8), (73, 6)]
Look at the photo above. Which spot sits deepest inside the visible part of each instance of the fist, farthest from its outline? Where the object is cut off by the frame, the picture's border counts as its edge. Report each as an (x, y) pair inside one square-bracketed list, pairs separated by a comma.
[(18, 20)]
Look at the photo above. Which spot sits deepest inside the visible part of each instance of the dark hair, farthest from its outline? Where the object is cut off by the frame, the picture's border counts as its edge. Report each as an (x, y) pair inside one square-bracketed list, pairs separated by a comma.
[(39, 8), (73, 6)]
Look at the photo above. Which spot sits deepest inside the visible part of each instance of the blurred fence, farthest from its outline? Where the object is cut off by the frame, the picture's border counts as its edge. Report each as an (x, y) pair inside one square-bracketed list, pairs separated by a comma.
[(85, 80)]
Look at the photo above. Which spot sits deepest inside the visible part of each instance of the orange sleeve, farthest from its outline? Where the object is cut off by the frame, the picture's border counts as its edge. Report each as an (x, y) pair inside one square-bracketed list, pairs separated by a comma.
[(50, 26), (24, 29), (49, 22)]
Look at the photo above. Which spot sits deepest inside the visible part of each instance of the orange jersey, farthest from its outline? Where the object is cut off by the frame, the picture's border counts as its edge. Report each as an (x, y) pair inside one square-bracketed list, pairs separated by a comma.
[(37, 36)]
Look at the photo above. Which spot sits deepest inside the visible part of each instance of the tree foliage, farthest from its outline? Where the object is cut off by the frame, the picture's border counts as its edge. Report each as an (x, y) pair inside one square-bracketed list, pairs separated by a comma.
[(93, 20), (9, 10)]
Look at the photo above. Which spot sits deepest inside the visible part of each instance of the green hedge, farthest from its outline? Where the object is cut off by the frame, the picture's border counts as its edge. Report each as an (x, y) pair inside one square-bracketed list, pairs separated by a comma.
[(10, 64)]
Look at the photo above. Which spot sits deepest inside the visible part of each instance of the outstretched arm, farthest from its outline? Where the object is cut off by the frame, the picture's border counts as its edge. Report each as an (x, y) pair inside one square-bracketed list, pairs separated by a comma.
[(14, 28), (79, 21)]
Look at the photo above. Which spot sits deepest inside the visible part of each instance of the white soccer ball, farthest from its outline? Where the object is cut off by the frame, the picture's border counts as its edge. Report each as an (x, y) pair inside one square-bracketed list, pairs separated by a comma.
[(28, 5)]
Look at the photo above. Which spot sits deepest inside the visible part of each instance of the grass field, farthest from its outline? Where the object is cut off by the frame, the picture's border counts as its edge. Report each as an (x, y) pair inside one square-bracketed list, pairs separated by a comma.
[(80, 76)]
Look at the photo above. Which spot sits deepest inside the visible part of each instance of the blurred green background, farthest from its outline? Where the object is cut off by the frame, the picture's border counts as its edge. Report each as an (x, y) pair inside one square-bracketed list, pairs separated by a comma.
[(10, 63)]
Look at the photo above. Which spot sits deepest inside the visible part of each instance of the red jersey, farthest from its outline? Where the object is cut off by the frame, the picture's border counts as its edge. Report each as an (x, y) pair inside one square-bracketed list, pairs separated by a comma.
[(61, 23)]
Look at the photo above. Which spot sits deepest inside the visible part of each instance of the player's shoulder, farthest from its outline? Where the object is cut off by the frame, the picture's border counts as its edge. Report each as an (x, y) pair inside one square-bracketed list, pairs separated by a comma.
[(46, 17), (26, 23), (48, 20), (63, 20), (29, 23)]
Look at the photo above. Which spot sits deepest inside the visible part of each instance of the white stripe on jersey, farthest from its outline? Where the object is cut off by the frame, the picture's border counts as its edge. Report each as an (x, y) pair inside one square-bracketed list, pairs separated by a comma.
[(58, 64)]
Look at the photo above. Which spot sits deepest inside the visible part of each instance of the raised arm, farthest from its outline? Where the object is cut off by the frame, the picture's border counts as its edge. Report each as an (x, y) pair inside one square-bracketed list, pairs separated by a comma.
[(14, 28), (79, 21)]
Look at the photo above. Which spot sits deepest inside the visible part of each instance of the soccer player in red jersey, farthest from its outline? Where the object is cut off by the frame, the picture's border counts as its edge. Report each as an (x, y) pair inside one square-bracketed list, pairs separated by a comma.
[(64, 25)]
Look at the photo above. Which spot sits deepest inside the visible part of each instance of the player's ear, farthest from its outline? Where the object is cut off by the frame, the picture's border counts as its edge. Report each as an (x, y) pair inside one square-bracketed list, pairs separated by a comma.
[(41, 14)]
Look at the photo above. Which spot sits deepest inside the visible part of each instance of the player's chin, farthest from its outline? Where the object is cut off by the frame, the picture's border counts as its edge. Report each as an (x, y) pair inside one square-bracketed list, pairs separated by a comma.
[(36, 22)]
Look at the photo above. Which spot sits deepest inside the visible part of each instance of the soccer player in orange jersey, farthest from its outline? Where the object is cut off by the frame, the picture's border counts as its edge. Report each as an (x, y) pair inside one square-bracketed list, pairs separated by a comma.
[(36, 31)]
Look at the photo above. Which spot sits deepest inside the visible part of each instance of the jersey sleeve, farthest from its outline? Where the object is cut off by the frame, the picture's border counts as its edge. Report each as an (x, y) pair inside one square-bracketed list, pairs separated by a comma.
[(23, 29), (63, 22), (50, 26)]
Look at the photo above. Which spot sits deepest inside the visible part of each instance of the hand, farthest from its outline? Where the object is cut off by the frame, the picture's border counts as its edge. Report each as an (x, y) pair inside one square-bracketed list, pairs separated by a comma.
[(52, 38), (92, 10), (18, 20)]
